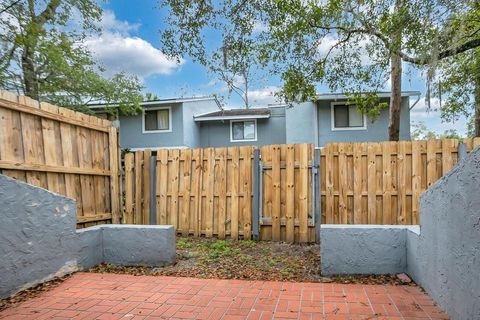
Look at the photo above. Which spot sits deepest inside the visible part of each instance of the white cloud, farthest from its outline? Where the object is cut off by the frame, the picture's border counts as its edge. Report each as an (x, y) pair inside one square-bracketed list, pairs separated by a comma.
[(263, 96), (110, 23), (117, 50), (329, 41)]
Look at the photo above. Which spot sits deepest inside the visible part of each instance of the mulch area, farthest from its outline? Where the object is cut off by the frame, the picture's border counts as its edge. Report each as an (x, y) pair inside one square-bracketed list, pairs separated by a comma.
[(265, 261)]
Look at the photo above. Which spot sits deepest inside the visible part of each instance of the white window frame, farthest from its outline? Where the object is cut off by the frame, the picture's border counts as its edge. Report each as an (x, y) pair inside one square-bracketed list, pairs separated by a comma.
[(243, 120), (332, 118), (157, 131)]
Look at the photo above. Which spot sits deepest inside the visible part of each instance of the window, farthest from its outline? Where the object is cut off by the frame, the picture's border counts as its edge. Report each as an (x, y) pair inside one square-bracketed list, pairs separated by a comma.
[(347, 117), (157, 120), (243, 130)]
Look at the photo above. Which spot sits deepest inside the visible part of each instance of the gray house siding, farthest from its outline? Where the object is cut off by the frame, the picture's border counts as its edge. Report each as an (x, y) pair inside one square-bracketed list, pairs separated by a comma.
[(191, 129), (269, 131), (131, 135), (301, 123), (376, 130)]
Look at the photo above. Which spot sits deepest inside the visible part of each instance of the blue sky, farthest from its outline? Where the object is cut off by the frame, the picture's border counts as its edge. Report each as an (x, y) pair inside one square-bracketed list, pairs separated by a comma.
[(131, 43)]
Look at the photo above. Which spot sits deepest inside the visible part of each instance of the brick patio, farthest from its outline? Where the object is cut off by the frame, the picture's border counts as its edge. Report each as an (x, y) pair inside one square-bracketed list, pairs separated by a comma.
[(112, 296)]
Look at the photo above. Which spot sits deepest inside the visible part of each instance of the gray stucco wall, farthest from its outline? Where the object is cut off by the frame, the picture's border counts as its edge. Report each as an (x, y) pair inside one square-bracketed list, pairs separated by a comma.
[(376, 130), (301, 123), (442, 255), (38, 240), (447, 262), (362, 249), (131, 135), (269, 131)]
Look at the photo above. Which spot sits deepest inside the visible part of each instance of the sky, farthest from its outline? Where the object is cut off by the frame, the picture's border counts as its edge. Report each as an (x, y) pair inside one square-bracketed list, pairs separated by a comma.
[(131, 42)]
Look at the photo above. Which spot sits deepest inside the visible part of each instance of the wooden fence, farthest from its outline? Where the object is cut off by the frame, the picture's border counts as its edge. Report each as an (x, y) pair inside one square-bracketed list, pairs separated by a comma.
[(381, 183), (211, 192), (198, 191), (63, 151)]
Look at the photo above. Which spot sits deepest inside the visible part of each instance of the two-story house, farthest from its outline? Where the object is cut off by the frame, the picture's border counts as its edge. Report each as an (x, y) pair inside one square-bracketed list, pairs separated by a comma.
[(201, 122)]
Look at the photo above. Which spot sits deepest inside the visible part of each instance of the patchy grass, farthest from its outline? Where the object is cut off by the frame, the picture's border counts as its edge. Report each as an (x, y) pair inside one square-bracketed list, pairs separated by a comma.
[(229, 259)]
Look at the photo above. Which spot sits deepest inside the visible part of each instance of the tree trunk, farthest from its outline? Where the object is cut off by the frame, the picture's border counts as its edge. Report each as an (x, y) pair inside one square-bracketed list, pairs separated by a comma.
[(29, 75), (395, 98), (396, 79)]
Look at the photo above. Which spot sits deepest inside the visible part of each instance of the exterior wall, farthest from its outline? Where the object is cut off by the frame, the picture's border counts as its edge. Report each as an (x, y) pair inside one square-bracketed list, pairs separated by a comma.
[(191, 129), (376, 130), (447, 262), (38, 240), (138, 245), (131, 135), (37, 235), (269, 131), (301, 123), (362, 249)]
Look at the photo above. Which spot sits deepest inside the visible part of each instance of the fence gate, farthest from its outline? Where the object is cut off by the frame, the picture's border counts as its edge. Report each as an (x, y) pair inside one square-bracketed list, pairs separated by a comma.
[(287, 190)]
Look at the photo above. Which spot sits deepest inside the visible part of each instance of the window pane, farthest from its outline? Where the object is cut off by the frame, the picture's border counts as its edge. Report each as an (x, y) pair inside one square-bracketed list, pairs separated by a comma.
[(249, 130), (340, 116), (163, 123), (151, 120), (355, 117), (237, 130)]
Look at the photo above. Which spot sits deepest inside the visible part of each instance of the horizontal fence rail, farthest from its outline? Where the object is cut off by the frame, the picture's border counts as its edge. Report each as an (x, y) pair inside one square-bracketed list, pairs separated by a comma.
[(64, 151)]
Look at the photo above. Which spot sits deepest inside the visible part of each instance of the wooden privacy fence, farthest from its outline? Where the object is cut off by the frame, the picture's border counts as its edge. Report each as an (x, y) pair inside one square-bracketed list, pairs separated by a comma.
[(283, 192), (64, 151), (381, 183), (198, 191), (211, 191)]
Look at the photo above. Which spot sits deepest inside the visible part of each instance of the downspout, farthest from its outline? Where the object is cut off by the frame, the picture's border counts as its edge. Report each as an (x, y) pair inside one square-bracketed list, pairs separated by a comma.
[(315, 125)]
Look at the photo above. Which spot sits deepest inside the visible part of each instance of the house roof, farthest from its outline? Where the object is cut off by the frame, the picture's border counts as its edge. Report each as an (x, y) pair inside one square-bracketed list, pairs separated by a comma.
[(341, 96), (232, 114), (159, 102)]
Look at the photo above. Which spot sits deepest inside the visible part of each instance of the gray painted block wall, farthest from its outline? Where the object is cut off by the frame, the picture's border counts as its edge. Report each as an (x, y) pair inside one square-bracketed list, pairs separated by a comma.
[(301, 123), (442, 254), (376, 130), (447, 259), (38, 240)]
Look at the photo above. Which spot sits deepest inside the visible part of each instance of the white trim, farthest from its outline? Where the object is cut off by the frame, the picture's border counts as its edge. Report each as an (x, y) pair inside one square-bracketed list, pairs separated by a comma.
[(243, 140), (155, 102), (244, 117), (158, 131), (332, 119)]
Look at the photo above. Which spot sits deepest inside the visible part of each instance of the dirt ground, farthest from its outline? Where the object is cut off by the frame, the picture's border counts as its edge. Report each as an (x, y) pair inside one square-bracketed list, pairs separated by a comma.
[(229, 259)]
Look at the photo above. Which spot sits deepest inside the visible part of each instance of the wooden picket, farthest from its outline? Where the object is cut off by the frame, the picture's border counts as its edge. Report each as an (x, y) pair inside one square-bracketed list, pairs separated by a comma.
[(382, 182), (64, 151)]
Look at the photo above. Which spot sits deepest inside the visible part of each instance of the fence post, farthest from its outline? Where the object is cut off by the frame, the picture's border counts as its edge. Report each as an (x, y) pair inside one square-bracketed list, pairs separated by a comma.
[(153, 191), (462, 151), (114, 179), (318, 196), (256, 194)]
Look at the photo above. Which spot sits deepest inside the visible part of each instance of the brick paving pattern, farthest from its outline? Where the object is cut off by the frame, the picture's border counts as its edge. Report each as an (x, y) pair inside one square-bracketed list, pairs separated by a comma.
[(114, 296)]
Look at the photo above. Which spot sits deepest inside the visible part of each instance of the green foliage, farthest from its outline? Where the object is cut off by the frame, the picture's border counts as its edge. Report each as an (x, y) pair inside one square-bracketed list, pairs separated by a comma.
[(42, 56), (420, 131)]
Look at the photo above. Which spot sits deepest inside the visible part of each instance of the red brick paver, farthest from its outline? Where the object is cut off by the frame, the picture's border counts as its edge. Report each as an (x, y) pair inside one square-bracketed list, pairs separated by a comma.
[(113, 296)]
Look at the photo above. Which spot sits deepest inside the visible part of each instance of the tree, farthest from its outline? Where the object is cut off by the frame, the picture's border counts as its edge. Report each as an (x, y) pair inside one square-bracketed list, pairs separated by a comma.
[(42, 56), (233, 59), (350, 46), (421, 132), (457, 84)]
